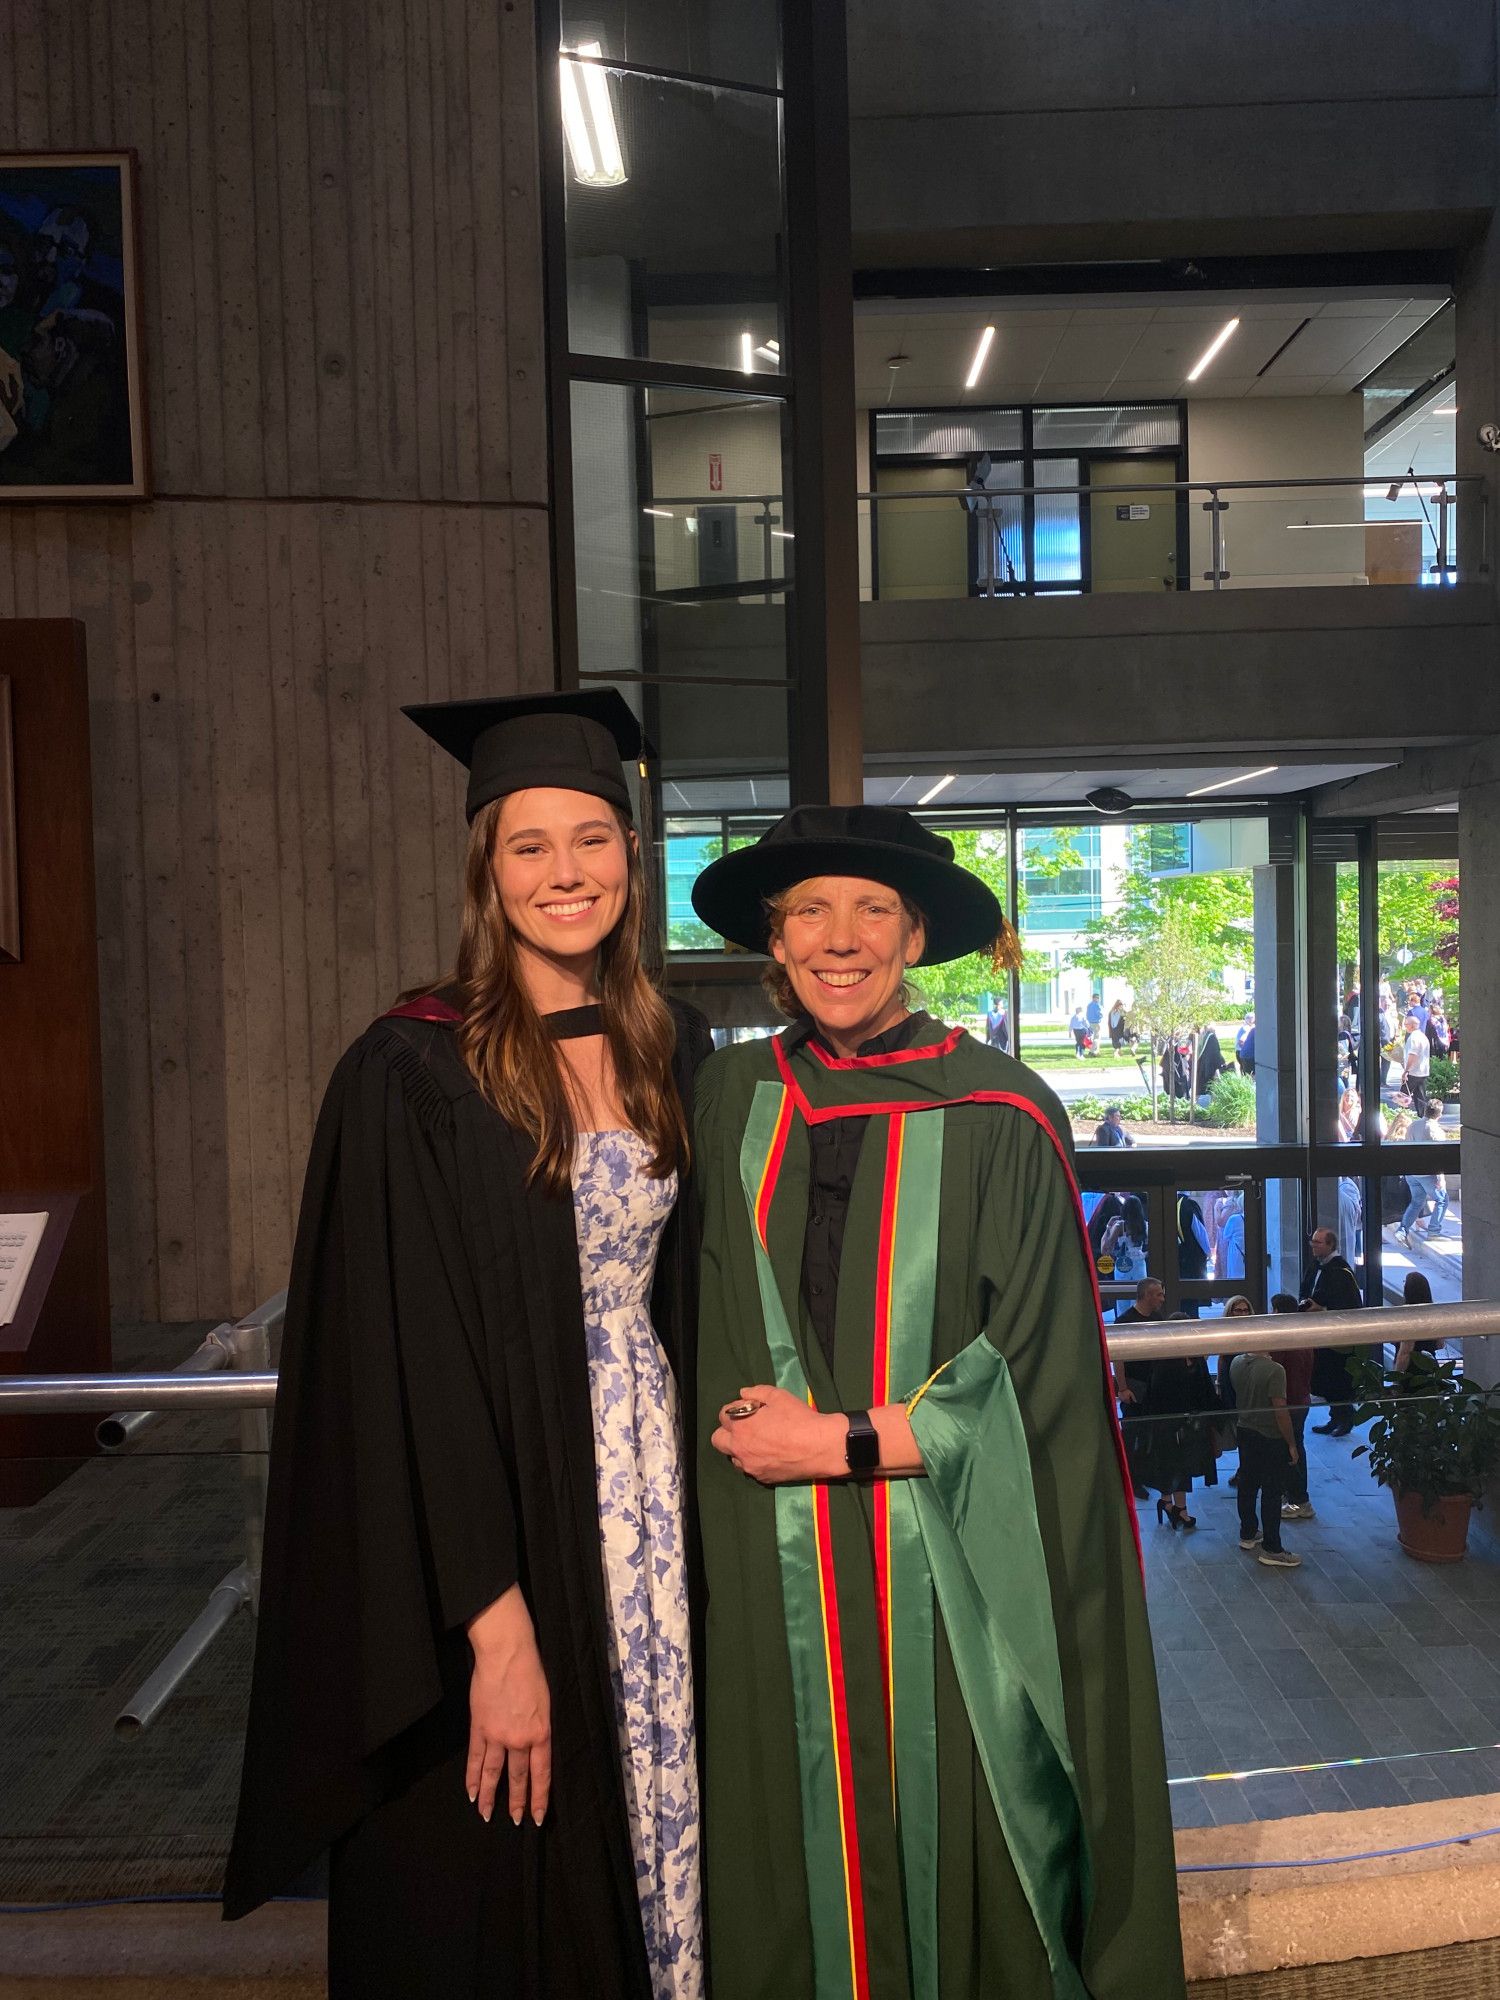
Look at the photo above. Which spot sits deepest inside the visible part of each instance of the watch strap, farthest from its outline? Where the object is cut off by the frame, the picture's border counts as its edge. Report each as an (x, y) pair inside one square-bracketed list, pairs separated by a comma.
[(862, 1446)]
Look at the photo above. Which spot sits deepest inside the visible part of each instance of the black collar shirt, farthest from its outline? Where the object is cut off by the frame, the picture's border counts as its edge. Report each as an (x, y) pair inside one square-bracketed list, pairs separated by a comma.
[(835, 1148)]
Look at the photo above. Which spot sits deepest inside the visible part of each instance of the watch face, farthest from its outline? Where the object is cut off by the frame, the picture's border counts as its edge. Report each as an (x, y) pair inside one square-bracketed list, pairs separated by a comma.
[(862, 1448)]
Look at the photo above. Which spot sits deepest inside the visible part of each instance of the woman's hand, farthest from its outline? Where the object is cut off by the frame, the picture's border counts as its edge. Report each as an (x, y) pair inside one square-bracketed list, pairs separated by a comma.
[(785, 1442), (510, 1711)]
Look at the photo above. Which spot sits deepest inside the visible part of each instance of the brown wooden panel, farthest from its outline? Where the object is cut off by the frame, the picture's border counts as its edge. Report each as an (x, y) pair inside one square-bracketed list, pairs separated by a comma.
[(51, 1091)]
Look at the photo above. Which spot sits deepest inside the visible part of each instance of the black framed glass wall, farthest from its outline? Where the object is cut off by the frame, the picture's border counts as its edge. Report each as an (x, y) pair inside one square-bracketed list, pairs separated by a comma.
[(1014, 533), (678, 302), (1385, 1049)]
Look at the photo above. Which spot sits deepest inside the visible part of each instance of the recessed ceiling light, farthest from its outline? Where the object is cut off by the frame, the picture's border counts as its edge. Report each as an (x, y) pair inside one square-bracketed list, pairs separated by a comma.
[(981, 353), (1243, 779), (1212, 349), (943, 783)]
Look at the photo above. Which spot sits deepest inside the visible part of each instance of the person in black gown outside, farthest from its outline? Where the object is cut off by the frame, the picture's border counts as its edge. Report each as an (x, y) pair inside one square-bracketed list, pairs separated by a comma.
[(460, 1617)]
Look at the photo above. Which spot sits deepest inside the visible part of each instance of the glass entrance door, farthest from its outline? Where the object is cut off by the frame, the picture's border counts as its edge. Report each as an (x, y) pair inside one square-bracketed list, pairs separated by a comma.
[(1204, 1243)]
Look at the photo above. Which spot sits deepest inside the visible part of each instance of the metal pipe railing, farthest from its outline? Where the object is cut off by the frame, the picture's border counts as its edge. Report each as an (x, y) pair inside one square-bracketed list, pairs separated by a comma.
[(123, 1427), (1466, 1319)]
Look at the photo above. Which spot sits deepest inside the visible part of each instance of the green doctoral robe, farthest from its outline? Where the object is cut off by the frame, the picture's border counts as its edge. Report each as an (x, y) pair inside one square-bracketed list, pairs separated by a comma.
[(933, 1751)]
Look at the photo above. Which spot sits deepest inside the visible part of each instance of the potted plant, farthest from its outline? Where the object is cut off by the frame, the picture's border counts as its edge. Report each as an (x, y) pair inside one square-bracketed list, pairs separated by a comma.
[(1434, 1440)]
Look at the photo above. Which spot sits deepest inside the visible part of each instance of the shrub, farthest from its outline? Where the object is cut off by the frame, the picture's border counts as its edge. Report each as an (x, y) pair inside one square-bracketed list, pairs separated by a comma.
[(1443, 1081), (1231, 1101), (1091, 1110)]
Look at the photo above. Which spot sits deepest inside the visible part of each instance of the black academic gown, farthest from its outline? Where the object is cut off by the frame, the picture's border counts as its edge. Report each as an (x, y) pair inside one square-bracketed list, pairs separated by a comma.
[(434, 1445)]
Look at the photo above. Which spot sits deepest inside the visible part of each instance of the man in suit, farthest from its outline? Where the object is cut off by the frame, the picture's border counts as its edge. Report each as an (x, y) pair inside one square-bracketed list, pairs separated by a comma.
[(1330, 1283)]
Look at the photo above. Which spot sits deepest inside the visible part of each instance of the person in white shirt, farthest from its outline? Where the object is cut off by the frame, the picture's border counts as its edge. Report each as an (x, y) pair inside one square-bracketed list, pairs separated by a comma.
[(1416, 1064)]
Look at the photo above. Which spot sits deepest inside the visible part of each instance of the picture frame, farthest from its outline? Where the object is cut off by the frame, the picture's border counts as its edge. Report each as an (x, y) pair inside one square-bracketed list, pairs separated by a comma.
[(72, 384), (10, 865)]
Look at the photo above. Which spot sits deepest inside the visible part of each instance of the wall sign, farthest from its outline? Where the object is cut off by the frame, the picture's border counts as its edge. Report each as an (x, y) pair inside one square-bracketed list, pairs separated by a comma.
[(1136, 513), (715, 472)]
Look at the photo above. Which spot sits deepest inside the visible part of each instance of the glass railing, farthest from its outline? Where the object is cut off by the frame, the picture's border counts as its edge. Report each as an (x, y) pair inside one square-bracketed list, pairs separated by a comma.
[(1358, 1676), (1023, 541)]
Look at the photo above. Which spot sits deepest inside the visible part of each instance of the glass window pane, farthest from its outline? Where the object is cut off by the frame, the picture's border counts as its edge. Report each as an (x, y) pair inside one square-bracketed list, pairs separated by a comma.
[(1111, 426), (966, 993), (1057, 534), (673, 220), (945, 433), (1148, 948), (1118, 1221), (732, 39), (682, 542), (1418, 924)]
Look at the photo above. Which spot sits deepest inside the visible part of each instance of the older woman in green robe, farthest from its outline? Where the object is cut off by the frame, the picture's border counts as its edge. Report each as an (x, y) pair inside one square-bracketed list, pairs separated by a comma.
[(933, 1749)]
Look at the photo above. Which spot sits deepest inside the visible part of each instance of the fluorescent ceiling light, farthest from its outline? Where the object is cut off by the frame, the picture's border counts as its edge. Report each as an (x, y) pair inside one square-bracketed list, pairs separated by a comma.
[(1243, 779), (980, 354), (1208, 354), (589, 119), (747, 353), (782, 535), (1443, 410), (942, 783), (661, 513)]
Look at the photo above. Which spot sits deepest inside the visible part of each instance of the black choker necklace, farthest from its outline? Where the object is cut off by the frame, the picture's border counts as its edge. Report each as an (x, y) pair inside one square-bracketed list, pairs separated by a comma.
[(571, 1023)]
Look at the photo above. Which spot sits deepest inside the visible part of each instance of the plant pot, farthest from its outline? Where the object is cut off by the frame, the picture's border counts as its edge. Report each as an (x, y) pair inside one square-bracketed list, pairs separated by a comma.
[(1441, 1536)]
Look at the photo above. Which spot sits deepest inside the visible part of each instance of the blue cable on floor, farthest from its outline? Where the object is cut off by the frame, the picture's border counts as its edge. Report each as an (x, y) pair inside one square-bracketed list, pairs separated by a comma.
[(1335, 1860)]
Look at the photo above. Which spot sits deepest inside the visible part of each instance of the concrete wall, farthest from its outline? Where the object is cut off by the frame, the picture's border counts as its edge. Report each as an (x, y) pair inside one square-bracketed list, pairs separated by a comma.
[(1080, 128), (344, 355), (1280, 437), (1113, 677)]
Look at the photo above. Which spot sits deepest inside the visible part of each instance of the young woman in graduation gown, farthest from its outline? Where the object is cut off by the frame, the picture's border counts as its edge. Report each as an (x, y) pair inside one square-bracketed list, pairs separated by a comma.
[(473, 1681), (933, 1749)]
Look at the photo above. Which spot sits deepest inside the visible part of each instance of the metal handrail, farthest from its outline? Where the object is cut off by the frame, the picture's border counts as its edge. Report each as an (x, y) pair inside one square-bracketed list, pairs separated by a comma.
[(1468, 1319), (1361, 479)]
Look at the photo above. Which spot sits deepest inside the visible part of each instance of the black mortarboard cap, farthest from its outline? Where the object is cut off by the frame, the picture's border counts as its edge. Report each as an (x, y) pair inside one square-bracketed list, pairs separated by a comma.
[(574, 742)]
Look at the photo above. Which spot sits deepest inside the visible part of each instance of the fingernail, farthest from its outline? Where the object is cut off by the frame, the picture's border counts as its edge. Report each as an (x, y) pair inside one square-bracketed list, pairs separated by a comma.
[(484, 1815), (536, 1818), (516, 1818), (473, 1795)]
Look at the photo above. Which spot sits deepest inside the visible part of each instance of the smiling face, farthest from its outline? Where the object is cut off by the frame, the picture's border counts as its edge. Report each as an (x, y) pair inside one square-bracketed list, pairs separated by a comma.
[(562, 869), (846, 944)]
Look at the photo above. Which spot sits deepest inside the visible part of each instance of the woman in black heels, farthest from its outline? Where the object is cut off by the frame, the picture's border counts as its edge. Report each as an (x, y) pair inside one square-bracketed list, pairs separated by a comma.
[(1177, 1438)]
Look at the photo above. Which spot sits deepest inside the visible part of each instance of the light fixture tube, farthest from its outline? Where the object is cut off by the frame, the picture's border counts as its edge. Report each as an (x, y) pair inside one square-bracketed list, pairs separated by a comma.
[(942, 783), (981, 353), (1212, 349), (1243, 779), (661, 513), (747, 353), (589, 119)]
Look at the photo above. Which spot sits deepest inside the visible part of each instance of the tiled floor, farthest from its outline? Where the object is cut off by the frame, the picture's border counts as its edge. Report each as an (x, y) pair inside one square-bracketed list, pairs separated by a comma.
[(1360, 1653)]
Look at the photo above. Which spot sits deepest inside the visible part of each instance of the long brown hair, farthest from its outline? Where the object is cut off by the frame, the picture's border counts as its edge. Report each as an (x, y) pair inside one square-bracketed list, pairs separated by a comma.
[(509, 1053)]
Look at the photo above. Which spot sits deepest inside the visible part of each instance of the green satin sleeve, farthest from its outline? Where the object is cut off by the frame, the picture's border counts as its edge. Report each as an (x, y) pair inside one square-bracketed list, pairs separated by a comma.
[(978, 1518)]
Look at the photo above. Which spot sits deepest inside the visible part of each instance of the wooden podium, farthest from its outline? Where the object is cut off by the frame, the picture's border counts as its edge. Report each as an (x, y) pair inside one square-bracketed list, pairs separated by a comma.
[(51, 1095)]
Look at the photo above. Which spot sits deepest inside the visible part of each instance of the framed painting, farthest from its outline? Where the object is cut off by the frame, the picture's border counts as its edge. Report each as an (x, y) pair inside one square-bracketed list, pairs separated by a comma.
[(10, 867), (72, 409)]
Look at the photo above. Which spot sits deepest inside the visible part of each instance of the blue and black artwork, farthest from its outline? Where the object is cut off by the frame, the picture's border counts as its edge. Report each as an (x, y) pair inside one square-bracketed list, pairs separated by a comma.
[(66, 320)]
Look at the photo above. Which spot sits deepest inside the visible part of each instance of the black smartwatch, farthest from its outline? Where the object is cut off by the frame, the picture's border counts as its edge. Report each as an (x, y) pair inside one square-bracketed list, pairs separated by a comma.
[(862, 1446)]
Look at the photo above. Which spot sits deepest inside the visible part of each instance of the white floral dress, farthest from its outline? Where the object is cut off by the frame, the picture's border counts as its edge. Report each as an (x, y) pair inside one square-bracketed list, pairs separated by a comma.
[(620, 1210)]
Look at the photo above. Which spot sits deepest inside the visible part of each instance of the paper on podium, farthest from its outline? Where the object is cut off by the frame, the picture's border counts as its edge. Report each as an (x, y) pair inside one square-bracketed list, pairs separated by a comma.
[(20, 1239)]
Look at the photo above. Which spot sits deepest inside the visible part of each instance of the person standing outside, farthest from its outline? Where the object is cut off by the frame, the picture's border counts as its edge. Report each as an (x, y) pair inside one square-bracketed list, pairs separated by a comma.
[(1268, 1451), (1118, 1025), (1416, 1062), (1079, 1028), (1094, 1015), (997, 1027)]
